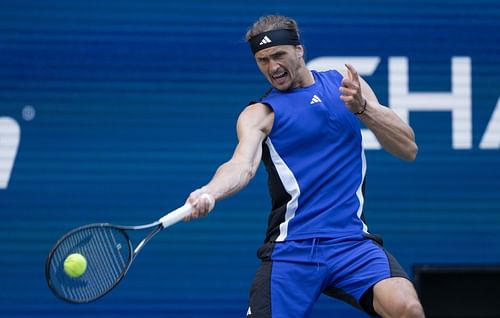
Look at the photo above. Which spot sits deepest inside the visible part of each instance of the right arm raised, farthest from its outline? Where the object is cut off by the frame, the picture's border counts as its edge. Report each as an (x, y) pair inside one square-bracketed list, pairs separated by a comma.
[(253, 126)]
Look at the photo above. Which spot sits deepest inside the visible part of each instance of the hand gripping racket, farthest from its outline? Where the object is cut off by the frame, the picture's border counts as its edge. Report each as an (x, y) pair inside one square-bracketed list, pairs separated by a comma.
[(108, 251)]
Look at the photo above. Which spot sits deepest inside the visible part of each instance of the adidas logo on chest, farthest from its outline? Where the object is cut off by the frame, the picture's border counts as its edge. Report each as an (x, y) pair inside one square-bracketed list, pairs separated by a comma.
[(315, 99)]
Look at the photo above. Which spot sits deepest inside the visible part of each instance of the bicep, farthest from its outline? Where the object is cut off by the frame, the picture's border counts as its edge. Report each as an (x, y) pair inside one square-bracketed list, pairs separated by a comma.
[(253, 126)]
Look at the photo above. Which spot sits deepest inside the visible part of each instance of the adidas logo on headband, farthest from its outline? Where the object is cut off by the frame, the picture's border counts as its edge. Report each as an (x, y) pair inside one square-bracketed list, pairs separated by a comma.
[(265, 40), (279, 37)]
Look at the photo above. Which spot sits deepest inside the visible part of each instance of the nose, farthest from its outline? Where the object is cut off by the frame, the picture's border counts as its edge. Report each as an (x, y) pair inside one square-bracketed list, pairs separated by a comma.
[(273, 66)]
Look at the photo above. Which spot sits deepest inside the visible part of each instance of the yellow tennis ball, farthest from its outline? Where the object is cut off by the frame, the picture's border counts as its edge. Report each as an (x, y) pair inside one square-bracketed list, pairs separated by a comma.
[(75, 265)]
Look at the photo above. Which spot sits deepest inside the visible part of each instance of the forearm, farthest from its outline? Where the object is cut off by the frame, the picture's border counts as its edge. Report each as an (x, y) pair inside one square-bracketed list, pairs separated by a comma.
[(253, 126), (229, 179), (394, 134)]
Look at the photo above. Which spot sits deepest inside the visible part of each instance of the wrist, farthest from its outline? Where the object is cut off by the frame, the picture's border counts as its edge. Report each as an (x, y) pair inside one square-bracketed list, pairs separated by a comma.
[(362, 109), (207, 192)]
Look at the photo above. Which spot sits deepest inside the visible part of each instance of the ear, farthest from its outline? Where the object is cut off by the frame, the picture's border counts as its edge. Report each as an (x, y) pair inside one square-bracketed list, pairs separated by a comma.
[(299, 50)]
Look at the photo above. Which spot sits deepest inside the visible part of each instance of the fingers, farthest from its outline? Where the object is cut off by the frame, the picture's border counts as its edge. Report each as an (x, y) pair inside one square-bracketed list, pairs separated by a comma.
[(202, 203), (352, 80), (352, 73), (347, 99), (350, 90), (205, 204), (351, 84)]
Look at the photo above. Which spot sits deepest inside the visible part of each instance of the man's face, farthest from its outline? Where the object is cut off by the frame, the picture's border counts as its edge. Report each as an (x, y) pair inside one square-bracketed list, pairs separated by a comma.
[(281, 65)]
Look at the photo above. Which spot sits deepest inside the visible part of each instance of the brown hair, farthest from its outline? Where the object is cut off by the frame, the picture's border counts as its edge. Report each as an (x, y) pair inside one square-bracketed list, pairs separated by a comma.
[(270, 23)]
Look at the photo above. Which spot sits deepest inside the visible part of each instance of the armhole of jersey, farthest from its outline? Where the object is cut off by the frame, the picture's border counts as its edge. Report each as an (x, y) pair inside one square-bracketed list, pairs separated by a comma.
[(268, 105), (274, 118), (261, 98)]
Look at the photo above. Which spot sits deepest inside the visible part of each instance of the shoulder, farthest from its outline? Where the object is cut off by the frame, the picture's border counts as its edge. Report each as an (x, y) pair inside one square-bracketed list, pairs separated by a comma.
[(257, 116), (257, 109), (330, 74)]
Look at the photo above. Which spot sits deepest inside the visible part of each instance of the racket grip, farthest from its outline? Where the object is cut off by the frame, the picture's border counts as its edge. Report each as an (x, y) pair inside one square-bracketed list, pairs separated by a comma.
[(176, 215)]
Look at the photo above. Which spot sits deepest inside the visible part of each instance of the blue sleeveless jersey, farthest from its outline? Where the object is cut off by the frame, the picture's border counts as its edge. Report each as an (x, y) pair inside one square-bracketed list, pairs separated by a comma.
[(315, 163)]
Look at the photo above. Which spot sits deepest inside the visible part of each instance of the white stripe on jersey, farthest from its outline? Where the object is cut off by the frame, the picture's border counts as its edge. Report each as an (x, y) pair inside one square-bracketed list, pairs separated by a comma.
[(291, 186), (359, 192)]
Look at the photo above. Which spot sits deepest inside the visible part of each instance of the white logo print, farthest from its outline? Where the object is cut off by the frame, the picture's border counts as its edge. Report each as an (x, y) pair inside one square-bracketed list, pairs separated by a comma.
[(10, 135), (315, 99), (249, 311), (265, 40)]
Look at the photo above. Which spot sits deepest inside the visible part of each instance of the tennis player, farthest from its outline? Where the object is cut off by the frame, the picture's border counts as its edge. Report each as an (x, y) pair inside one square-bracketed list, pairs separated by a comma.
[(306, 130)]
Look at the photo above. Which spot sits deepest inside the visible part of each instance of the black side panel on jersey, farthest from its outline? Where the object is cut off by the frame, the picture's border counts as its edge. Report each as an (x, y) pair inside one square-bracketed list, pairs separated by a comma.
[(279, 196)]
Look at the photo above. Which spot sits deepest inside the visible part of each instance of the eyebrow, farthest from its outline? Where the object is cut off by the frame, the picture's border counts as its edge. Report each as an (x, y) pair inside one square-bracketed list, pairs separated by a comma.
[(274, 55)]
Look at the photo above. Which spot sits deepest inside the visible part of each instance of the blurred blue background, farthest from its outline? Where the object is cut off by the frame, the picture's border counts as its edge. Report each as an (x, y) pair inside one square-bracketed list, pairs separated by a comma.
[(125, 107)]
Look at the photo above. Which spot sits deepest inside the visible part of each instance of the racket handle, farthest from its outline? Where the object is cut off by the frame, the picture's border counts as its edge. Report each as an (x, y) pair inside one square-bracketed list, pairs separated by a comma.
[(176, 215)]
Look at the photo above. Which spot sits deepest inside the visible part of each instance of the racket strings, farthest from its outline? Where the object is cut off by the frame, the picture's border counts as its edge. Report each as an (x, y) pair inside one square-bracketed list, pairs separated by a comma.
[(107, 251)]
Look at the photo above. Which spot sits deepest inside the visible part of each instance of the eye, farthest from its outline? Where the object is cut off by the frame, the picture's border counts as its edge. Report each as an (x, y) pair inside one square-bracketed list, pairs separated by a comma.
[(279, 55)]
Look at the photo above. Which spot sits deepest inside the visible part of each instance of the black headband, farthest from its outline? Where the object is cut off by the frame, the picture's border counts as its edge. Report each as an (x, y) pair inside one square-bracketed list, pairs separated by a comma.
[(272, 38)]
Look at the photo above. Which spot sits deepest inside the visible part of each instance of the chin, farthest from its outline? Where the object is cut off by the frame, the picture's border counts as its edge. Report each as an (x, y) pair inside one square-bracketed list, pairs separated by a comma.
[(283, 87)]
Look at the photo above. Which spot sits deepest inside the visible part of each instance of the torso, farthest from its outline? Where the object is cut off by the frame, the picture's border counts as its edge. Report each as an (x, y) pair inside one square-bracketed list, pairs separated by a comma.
[(315, 163)]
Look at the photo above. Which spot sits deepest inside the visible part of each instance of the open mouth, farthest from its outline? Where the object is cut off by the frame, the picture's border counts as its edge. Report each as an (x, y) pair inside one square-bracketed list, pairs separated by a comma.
[(280, 77)]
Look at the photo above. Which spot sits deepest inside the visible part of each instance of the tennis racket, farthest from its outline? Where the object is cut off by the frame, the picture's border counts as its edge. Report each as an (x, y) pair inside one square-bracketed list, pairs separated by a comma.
[(109, 252)]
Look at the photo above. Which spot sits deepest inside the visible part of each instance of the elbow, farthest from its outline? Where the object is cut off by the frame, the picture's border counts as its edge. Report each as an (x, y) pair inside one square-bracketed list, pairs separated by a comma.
[(251, 172), (411, 149), (410, 154), (247, 173)]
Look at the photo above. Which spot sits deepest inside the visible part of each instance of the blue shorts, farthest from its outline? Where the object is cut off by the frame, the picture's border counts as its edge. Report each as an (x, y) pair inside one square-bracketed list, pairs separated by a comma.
[(293, 275)]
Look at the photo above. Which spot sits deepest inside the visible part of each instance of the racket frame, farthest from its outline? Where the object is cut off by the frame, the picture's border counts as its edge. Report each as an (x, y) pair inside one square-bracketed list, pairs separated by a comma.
[(167, 220)]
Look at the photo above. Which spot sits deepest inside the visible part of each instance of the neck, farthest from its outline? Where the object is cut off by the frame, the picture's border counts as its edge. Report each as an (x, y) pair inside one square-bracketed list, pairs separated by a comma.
[(306, 78)]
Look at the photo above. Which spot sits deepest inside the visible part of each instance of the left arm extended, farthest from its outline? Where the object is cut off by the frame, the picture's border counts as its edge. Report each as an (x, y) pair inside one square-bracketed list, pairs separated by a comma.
[(392, 132)]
